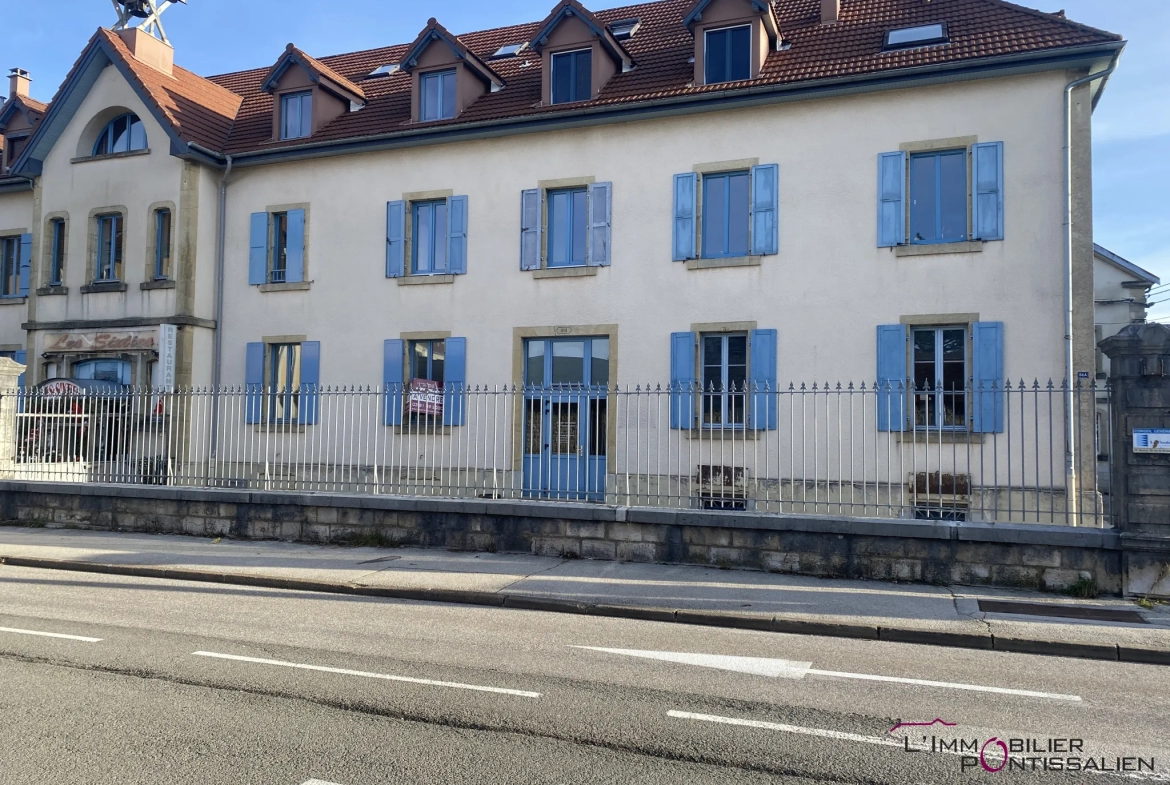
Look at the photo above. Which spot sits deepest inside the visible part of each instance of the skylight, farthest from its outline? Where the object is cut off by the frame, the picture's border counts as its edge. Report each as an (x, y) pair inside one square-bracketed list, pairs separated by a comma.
[(507, 50), (624, 28), (384, 70), (923, 35)]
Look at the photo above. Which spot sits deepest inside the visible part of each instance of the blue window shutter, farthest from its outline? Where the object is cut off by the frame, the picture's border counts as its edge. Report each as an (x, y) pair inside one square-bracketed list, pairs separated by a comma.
[(258, 249), (987, 187), (892, 342), (530, 229), (254, 382), (600, 207), (457, 235), (765, 209), (295, 251), (310, 382), (683, 382), (25, 263), (686, 186), (891, 220), (395, 239), (987, 377), (762, 415), (393, 373), (455, 381)]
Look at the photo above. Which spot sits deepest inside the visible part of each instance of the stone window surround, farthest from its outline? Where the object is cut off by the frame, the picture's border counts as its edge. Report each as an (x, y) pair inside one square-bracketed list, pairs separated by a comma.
[(965, 320), (151, 240), (265, 425), (519, 334), (410, 278), (5, 234), (938, 249), (92, 240), (48, 288), (571, 271), (421, 335), (713, 328), (716, 167), (288, 286)]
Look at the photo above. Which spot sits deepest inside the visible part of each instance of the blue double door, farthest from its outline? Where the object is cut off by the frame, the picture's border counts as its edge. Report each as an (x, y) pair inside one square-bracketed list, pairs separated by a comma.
[(566, 417)]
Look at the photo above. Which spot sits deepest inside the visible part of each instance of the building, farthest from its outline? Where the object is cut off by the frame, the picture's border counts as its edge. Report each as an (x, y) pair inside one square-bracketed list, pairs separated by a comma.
[(723, 192)]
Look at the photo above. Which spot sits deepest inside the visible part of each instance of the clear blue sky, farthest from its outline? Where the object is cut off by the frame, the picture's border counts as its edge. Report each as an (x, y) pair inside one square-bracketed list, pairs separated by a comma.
[(1131, 126)]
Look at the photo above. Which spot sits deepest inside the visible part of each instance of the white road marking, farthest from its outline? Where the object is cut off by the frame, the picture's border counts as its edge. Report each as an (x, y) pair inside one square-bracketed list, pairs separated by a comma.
[(82, 638), (364, 674), (790, 669), (317, 782)]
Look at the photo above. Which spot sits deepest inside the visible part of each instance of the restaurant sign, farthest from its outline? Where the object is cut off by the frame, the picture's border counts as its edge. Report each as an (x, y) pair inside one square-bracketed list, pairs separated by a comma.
[(102, 341)]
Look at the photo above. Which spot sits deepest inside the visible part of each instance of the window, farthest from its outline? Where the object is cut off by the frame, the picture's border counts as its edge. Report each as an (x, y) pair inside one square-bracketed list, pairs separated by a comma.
[(109, 248), (507, 50), (13, 146), (121, 135), (278, 272), (728, 57), (437, 96), (724, 364), (940, 374), (10, 266), (725, 214), (283, 382), (568, 215), (427, 377), (117, 371), (383, 70), (924, 35), (625, 28), (296, 115), (162, 244), (428, 252), (938, 197), (572, 76), (57, 257)]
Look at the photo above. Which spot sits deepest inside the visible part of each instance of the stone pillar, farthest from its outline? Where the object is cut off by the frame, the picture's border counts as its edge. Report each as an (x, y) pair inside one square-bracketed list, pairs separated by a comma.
[(10, 371), (1140, 484)]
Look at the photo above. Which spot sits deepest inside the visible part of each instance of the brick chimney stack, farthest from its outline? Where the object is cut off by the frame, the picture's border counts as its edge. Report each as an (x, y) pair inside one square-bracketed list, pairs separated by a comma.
[(18, 81), (830, 11)]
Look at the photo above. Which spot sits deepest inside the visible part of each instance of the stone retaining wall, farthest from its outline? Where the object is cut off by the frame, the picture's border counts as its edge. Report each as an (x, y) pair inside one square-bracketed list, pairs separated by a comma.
[(1013, 555)]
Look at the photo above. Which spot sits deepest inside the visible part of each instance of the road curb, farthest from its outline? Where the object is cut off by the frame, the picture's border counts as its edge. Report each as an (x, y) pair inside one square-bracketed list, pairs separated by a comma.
[(1050, 648)]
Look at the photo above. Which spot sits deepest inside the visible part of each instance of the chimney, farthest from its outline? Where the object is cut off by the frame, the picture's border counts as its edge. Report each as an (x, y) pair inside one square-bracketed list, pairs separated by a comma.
[(18, 80), (148, 50), (830, 11)]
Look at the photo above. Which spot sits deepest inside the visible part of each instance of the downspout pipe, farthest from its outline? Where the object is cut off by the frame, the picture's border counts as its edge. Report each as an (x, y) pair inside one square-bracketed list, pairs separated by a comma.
[(217, 344), (1070, 468)]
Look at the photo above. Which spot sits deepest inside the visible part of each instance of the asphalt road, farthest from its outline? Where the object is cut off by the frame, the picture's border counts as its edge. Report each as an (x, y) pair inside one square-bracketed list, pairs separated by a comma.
[(172, 682)]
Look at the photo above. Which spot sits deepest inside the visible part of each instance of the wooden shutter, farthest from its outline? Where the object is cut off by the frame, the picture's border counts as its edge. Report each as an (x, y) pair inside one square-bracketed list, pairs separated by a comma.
[(395, 239), (457, 235), (765, 209), (987, 379), (393, 374), (762, 379), (25, 263), (600, 196), (258, 249), (685, 194), (683, 382), (295, 250), (455, 381), (254, 382), (987, 191), (892, 340), (530, 229), (310, 382), (891, 218)]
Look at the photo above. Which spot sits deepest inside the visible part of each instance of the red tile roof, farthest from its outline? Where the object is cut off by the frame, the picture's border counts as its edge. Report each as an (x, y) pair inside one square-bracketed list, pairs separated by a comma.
[(231, 112), (319, 69)]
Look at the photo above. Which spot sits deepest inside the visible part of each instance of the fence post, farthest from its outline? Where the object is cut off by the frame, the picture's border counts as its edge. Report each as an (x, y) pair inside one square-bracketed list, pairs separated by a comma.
[(10, 371), (1140, 483)]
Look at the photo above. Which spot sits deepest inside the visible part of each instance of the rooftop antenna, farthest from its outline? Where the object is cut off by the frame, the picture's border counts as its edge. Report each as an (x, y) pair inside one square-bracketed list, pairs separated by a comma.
[(147, 11)]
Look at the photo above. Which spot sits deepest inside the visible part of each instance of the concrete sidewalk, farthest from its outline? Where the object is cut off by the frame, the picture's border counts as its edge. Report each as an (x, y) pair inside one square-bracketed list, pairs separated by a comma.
[(912, 613)]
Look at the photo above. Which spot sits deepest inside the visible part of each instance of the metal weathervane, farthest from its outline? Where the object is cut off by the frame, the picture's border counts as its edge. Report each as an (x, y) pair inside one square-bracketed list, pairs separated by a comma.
[(147, 11)]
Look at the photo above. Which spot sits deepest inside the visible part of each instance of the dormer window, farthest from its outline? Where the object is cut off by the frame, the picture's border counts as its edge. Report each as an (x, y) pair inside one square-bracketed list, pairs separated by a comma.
[(729, 54), (121, 135), (572, 76), (296, 115), (437, 96)]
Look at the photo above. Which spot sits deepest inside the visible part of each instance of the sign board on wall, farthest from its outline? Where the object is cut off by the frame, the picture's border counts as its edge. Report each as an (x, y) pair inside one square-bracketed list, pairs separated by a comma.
[(167, 338), (103, 341), (1151, 440)]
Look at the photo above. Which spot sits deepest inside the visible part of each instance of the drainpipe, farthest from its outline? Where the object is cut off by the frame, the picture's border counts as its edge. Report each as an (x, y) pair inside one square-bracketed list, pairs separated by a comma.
[(1069, 368)]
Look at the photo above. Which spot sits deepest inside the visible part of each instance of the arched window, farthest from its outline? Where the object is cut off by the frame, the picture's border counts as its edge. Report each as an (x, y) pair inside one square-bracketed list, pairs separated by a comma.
[(122, 134)]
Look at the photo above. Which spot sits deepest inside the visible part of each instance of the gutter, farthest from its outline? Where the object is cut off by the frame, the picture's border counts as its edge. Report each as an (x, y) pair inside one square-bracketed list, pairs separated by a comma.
[(1070, 468), (217, 341), (13, 188)]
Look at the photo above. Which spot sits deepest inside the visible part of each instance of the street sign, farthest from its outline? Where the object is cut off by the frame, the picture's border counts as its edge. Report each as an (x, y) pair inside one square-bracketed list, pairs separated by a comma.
[(1151, 440)]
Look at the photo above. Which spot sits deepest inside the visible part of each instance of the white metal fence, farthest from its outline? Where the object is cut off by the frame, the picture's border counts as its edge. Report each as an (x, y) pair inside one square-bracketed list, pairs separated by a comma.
[(987, 455)]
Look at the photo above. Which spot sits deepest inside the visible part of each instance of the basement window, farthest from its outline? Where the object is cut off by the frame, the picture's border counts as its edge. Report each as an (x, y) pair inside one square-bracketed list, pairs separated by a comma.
[(910, 37)]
